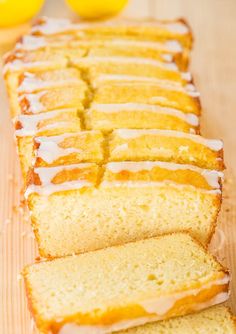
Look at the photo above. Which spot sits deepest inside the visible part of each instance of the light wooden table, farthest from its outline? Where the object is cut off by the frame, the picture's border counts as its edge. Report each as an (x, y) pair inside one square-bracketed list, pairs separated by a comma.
[(214, 69)]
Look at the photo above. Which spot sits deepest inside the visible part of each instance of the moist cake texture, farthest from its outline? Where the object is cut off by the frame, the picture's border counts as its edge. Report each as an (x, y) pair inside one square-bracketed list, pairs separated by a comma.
[(117, 178), (107, 126)]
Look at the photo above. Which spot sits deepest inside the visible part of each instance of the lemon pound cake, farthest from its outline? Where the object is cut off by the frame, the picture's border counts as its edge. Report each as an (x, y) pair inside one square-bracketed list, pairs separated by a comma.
[(124, 286), (82, 207), (217, 319)]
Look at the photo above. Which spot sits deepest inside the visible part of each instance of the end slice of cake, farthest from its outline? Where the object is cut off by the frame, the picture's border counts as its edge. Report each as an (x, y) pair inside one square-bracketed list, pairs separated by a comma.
[(125, 286)]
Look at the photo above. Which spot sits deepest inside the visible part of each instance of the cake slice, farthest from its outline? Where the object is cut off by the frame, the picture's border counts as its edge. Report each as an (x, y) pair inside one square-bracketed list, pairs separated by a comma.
[(31, 82), (139, 29), (128, 145), (217, 319), (16, 63), (19, 61), (109, 116), (47, 42), (125, 286), (74, 213), (165, 50), (174, 146), (95, 65), (55, 98), (69, 148), (148, 93), (51, 123)]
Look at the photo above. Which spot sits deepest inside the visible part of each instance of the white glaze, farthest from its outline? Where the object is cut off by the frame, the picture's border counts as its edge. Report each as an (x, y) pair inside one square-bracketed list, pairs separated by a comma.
[(20, 65), (178, 28), (50, 151), (211, 176), (34, 101), (164, 304), (30, 43), (29, 122), (46, 175), (174, 45), (72, 328), (167, 57), (52, 26), (53, 188), (122, 107), (49, 148), (213, 144), (157, 308), (188, 77), (31, 83), (194, 94)]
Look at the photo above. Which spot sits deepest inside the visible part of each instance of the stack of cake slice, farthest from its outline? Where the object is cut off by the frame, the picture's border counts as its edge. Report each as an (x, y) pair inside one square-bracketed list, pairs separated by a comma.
[(107, 129)]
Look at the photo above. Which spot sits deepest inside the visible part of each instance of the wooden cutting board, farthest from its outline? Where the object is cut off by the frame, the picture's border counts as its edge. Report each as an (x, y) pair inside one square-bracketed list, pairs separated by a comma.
[(214, 69)]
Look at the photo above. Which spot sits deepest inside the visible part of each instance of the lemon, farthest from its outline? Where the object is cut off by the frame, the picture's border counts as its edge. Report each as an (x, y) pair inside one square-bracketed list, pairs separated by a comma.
[(13, 12), (95, 9)]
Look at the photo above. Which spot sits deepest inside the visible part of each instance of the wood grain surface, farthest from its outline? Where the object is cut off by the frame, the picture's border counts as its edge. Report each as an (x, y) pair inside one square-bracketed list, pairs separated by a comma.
[(214, 69)]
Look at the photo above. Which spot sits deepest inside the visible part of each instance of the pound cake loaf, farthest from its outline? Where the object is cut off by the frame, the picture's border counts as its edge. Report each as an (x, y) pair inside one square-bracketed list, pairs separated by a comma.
[(121, 287), (120, 185), (82, 207), (217, 320), (107, 127)]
